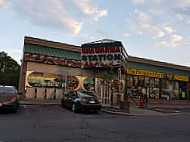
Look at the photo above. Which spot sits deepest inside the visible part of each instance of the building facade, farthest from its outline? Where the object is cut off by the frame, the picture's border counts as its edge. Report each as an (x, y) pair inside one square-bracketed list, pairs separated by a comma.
[(50, 69)]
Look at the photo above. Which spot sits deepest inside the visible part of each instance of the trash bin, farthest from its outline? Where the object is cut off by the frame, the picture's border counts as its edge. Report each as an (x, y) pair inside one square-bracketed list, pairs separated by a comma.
[(124, 105)]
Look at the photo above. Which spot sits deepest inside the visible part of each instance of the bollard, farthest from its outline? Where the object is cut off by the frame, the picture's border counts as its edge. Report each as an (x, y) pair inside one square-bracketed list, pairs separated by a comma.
[(141, 103)]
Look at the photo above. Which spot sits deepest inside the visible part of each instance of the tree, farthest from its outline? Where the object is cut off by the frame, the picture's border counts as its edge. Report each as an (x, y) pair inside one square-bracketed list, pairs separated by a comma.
[(9, 70)]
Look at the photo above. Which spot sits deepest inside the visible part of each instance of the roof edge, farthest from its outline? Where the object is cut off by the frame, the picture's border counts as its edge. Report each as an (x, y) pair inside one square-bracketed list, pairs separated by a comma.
[(157, 63), (52, 44)]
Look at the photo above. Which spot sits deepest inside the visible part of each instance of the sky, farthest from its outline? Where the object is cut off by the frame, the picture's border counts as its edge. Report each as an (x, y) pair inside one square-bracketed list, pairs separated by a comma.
[(151, 29)]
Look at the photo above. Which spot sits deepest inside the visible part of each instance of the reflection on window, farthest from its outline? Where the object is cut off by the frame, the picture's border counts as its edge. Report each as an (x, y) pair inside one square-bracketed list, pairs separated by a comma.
[(89, 84), (54, 80), (72, 83), (35, 79)]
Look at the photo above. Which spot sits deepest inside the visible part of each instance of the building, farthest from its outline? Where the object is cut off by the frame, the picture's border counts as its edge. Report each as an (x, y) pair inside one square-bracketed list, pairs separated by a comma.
[(51, 68)]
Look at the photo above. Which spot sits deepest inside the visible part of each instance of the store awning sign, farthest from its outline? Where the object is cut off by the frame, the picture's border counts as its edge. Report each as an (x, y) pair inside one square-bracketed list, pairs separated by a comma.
[(157, 74)]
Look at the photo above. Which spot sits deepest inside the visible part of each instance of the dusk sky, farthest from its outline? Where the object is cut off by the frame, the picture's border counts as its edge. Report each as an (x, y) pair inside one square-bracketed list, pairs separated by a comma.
[(151, 29)]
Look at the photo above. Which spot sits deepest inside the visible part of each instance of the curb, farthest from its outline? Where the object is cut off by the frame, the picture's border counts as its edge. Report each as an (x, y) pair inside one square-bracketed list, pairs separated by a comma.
[(118, 113), (37, 103), (163, 110)]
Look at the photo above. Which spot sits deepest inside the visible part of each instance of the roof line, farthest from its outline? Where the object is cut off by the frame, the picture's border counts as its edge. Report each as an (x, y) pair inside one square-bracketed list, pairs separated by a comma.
[(157, 63), (47, 43)]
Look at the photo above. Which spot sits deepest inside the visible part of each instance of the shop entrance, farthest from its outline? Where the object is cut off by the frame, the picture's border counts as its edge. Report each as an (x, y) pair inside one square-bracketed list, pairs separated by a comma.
[(104, 92)]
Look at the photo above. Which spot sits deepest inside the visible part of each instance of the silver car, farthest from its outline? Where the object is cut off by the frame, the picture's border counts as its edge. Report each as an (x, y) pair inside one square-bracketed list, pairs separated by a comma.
[(9, 98)]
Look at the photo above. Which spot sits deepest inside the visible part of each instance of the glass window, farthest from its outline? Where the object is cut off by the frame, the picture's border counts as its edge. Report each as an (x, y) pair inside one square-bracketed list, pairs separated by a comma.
[(141, 80), (35, 79), (147, 81), (72, 82), (157, 82), (89, 84), (117, 86), (7, 90), (53, 80), (135, 80), (154, 93), (86, 94), (152, 84), (129, 80)]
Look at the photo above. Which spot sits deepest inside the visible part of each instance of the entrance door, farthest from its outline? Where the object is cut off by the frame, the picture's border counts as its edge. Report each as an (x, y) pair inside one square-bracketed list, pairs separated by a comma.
[(104, 92)]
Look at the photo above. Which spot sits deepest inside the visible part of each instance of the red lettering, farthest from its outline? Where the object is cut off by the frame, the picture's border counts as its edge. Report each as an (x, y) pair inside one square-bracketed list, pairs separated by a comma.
[(101, 50), (91, 50), (97, 50), (117, 49), (107, 49), (83, 50), (112, 49)]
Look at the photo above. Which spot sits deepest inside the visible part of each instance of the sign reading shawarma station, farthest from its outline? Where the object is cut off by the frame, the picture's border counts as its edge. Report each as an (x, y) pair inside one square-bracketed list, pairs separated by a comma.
[(104, 54)]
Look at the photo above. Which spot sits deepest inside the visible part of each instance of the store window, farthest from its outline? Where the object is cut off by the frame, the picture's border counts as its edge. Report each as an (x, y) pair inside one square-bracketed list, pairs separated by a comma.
[(182, 90), (117, 86), (54, 81), (89, 84), (35, 79), (72, 83)]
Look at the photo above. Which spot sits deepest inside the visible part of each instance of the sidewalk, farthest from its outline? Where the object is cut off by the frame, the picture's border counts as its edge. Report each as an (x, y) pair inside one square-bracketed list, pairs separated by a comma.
[(151, 110)]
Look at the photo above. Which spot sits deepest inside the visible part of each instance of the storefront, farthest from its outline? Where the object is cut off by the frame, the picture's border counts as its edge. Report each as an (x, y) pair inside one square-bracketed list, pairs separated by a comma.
[(166, 82), (50, 69)]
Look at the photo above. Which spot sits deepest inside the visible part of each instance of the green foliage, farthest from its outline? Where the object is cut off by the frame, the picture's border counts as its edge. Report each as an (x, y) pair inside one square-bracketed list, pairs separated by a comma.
[(109, 74), (9, 70)]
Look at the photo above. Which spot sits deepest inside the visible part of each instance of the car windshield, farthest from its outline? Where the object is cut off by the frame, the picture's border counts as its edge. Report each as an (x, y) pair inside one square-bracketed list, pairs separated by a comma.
[(6, 90), (86, 94)]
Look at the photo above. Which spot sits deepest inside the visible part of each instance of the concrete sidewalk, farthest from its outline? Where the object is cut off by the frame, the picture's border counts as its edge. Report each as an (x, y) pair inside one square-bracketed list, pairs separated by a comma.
[(151, 110)]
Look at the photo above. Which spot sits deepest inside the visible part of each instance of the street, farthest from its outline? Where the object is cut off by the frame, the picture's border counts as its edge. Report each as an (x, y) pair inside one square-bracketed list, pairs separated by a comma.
[(53, 123)]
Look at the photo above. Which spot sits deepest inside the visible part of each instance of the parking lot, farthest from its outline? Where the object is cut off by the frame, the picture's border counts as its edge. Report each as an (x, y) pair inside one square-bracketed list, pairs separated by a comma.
[(54, 123)]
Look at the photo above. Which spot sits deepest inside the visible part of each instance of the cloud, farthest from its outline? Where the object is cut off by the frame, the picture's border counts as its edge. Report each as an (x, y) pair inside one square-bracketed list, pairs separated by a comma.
[(126, 34), (156, 12), (188, 21), (159, 35), (89, 9), (180, 17), (48, 13), (175, 38), (4, 4), (142, 17), (166, 44), (169, 30), (138, 1)]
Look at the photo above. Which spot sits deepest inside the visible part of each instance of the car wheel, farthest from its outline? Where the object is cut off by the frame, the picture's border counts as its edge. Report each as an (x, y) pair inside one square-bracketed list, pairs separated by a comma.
[(15, 107), (74, 107), (62, 103)]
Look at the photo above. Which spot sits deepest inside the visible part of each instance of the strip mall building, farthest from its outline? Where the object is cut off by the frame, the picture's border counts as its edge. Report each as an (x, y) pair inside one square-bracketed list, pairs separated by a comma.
[(50, 69)]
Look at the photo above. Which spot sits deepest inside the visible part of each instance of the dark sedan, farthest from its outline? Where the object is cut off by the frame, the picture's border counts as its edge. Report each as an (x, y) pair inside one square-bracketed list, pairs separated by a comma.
[(81, 100), (9, 98)]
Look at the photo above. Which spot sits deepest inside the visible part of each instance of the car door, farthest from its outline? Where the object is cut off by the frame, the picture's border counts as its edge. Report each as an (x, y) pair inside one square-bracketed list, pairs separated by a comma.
[(66, 99), (72, 97)]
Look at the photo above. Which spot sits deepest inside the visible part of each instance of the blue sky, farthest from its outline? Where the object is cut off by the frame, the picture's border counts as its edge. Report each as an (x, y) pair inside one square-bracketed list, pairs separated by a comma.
[(152, 29)]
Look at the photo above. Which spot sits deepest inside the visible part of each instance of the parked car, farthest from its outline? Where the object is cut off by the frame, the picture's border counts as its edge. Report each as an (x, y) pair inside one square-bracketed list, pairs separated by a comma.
[(81, 100), (9, 98)]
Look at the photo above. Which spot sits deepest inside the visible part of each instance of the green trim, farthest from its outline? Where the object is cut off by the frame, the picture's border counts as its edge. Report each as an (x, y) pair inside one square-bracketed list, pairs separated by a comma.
[(52, 52)]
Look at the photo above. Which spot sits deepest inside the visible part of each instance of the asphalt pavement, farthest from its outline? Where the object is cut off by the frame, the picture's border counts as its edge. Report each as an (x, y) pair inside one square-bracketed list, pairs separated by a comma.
[(134, 110)]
